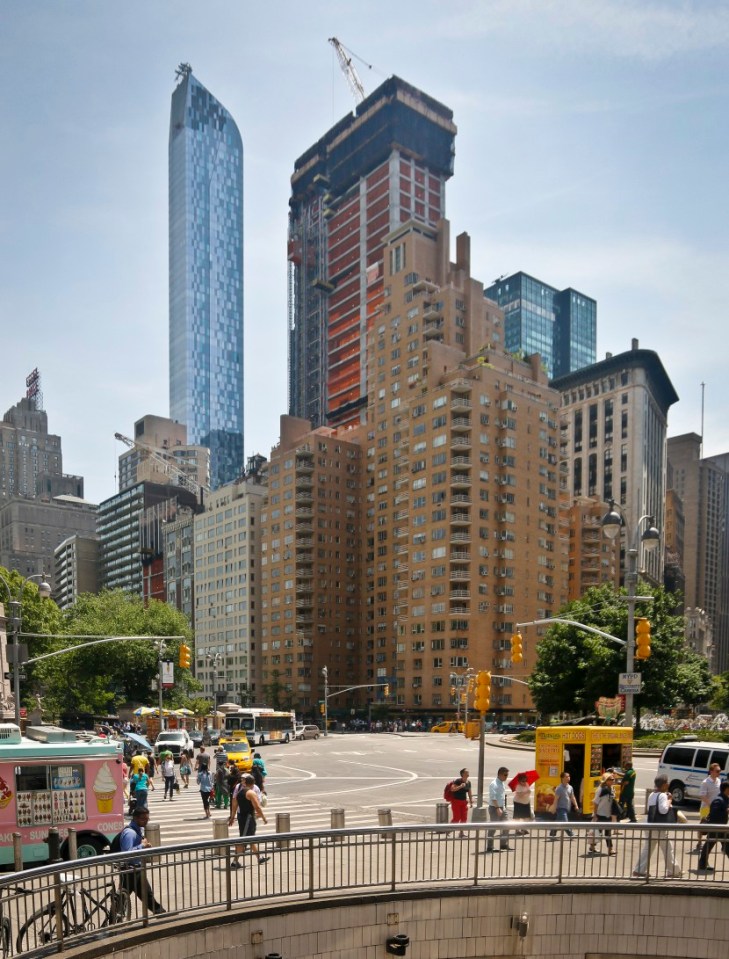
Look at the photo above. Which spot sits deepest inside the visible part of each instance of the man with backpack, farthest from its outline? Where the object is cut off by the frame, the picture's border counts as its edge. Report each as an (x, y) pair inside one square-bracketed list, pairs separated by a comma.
[(132, 876), (458, 793)]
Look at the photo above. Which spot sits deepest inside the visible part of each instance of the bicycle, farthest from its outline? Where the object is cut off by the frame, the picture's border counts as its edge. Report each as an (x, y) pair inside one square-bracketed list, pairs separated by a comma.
[(41, 928)]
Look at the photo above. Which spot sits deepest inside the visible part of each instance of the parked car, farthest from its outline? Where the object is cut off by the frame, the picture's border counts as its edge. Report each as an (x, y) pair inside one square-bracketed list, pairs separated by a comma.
[(448, 726), (307, 732), (174, 741), (211, 737)]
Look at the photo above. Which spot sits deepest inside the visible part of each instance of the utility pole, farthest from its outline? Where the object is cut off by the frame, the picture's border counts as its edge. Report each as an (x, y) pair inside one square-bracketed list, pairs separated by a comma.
[(325, 674)]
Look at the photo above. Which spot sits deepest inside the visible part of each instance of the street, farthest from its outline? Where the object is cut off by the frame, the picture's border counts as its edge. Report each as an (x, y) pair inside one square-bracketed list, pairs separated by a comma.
[(361, 773)]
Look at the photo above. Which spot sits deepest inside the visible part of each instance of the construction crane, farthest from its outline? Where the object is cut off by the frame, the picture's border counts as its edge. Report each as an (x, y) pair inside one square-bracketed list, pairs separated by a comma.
[(351, 75), (166, 465)]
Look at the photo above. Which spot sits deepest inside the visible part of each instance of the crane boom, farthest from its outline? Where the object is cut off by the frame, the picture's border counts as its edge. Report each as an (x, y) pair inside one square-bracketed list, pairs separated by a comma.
[(165, 464), (347, 67)]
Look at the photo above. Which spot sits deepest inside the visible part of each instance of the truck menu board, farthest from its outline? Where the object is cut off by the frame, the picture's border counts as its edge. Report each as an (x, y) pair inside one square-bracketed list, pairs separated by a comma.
[(50, 794)]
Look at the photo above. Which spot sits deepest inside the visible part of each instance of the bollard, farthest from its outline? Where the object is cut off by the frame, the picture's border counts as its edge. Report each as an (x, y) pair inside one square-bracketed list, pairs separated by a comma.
[(72, 844), (221, 829), (18, 851), (337, 822), (54, 845), (283, 824), (152, 834), (442, 812), (384, 817)]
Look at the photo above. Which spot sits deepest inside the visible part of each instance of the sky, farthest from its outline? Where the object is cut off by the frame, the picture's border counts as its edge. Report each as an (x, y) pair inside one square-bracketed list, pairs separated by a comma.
[(591, 152)]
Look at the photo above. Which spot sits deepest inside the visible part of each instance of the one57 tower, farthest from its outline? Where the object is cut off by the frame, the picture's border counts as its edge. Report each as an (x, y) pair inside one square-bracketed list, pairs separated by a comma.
[(206, 274)]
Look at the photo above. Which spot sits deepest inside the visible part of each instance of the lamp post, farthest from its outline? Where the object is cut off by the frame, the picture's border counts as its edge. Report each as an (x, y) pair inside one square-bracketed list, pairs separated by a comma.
[(612, 523), (214, 660), (15, 602), (325, 675)]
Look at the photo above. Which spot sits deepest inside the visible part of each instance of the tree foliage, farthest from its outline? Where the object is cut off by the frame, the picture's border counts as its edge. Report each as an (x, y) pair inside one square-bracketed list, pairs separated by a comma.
[(98, 678), (574, 668)]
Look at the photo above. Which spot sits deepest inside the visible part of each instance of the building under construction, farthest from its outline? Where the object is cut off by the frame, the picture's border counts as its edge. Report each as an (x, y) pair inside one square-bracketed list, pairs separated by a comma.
[(383, 165)]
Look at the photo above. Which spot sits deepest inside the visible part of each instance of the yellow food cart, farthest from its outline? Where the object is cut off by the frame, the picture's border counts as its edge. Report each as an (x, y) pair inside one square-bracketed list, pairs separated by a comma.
[(585, 752)]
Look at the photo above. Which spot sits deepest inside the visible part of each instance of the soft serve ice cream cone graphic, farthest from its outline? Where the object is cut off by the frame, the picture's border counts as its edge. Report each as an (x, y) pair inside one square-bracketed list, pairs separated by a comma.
[(105, 788)]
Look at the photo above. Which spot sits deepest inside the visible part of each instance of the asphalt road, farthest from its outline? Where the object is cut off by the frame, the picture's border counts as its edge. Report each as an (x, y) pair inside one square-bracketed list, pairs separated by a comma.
[(362, 773)]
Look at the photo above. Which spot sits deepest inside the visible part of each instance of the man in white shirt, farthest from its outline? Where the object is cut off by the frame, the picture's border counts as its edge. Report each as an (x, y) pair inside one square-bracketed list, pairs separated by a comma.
[(708, 791), (659, 811), (497, 809)]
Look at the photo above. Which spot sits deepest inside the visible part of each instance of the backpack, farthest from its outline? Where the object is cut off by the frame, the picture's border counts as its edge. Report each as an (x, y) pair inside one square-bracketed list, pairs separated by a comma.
[(447, 794), (115, 844)]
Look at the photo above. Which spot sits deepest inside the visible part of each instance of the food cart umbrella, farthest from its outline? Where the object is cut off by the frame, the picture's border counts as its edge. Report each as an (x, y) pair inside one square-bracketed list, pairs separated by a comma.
[(183, 711), (139, 740), (531, 777), (144, 711)]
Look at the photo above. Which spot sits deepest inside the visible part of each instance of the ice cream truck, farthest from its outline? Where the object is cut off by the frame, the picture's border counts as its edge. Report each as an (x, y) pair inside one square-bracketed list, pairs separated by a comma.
[(49, 778), (585, 752)]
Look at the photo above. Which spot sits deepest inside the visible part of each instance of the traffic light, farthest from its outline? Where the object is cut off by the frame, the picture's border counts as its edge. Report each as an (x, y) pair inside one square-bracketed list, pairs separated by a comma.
[(386, 690), (516, 648), (184, 656), (322, 708), (642, 638), (482, 700)]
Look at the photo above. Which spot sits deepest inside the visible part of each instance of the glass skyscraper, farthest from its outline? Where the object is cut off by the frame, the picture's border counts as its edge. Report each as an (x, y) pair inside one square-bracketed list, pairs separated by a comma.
[(206, 275), (560, 325)]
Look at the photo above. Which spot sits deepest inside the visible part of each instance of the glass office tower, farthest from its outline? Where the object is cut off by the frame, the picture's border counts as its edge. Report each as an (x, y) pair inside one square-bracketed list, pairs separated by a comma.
[(206, 275), (560, 325)]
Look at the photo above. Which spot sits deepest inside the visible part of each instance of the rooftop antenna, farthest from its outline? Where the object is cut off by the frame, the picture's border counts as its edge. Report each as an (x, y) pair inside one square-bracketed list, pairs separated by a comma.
[(701, 447)]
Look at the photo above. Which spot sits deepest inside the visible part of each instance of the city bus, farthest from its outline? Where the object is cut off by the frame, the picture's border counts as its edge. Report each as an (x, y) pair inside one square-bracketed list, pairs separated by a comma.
[(260, 725)]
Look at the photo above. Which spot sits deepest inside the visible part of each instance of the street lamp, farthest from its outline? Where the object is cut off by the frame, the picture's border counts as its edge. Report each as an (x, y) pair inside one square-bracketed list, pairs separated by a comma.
[(214, 660), (15, 602), (612, 523)]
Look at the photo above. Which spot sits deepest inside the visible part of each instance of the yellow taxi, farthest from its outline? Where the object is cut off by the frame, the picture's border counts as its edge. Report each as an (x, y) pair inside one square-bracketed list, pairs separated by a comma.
[(240, 752), (447, 727)]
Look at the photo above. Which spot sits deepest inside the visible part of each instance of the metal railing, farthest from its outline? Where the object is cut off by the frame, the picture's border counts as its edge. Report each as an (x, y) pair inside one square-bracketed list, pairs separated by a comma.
[(52, 908)]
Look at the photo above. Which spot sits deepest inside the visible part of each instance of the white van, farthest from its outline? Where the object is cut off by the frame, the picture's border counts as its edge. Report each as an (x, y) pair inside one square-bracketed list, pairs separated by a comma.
[(686, 762)]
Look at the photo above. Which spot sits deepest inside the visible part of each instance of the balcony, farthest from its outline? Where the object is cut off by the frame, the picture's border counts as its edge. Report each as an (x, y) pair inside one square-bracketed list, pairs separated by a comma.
[(303, 573), (304, 496), (459, 518), (433, 329), (304, 482), (304, 542), (303, 527), (460, 574), (459, 423), (460, 556), (460, 386), (304, 603), (461, 462), (303, 511), (460, 481), (461, 442), (460, 594), (460, 610), (461, 403), (304, 466), (460, 537), (462, 498)]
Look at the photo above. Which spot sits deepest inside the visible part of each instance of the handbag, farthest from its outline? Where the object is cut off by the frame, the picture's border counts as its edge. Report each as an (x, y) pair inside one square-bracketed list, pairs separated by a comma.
[(552, 807), (263, 800)]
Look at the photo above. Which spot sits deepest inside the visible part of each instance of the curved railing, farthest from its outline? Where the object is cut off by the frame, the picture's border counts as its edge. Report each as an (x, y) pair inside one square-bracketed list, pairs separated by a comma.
[(52, 908)]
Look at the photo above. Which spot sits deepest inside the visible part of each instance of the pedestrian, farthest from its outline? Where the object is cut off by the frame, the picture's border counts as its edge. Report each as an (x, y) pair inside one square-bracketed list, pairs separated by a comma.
[(221, 781), (497, 809), (708, 791), (246, 806), (185, 768), (205, 782), (718, 816), (602, 811), (259, 764), (627, 793), (233, 776), (168, 772), (564, 803), (152, 765), (132, 877), (202, 760), (461, 798), (138, 762), (139, 786), (660, 810), (522, 801), (125, 780)]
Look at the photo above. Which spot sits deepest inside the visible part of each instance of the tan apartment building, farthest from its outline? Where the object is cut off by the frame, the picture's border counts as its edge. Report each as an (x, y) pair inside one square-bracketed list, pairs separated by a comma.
[(592, 558), (310, 609), (226, 548), (461, 495)]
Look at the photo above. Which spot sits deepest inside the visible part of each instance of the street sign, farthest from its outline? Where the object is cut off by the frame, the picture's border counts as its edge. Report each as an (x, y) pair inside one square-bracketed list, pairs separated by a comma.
[(168, 674), (629, 683)]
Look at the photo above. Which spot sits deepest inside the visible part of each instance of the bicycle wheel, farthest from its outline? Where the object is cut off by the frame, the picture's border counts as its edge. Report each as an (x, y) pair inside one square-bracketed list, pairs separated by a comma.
[(120, 906), (5, 948), (40, 929)]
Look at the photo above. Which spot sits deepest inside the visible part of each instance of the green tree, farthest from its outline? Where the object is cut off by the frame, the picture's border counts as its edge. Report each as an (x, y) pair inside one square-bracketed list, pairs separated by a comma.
[(574, 668), (108, 675)]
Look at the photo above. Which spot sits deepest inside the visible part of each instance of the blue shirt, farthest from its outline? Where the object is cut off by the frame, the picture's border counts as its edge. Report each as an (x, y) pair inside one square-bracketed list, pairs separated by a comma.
[(131, 837), (497, 793)]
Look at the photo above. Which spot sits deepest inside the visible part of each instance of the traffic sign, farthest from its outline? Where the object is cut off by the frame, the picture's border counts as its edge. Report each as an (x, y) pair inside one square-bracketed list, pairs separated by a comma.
[(629, 683)]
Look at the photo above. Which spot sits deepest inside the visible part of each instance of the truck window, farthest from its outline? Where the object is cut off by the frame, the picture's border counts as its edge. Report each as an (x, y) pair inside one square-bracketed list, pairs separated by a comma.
[(702, 758), (679, 755), (719, 756)]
